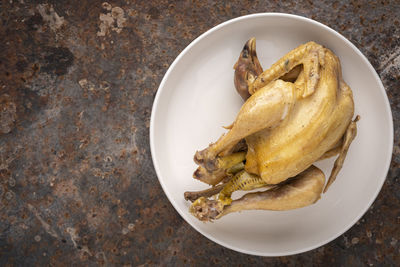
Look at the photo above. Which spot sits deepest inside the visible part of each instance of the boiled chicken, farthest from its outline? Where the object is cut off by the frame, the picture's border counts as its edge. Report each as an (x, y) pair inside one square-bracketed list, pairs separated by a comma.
[(295, 113)]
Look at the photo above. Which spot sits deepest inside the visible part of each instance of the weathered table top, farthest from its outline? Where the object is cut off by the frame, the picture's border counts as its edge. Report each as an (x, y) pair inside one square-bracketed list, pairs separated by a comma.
[(77, 82)]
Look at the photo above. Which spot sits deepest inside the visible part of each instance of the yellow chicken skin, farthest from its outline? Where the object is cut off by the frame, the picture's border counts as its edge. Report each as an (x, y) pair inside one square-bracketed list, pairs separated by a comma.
[(313, 126), (300, 111)]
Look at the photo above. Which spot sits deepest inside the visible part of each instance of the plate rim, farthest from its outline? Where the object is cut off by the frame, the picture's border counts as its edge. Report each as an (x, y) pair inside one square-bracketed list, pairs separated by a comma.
[(217, 27)]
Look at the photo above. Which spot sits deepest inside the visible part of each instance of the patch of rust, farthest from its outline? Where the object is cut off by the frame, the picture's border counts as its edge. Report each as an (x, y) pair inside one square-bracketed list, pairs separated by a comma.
[(8, 114), (114, 20), (50, 16)]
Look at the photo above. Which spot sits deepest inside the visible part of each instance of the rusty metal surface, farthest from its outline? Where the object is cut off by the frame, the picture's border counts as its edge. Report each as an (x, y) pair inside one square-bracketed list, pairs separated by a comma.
[(77, 82)]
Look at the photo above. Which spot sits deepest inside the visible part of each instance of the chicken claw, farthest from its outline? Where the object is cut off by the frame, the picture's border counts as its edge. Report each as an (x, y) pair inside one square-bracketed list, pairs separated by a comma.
[(194, 195), (300, 191), (218, 168), (303, 190)]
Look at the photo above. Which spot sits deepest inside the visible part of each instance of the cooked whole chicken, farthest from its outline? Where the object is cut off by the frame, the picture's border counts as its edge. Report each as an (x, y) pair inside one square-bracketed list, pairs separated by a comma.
[(295, 113)]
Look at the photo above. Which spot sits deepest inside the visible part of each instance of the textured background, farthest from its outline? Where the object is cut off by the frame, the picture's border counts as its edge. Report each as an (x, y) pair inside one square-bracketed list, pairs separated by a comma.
[(77, 82)]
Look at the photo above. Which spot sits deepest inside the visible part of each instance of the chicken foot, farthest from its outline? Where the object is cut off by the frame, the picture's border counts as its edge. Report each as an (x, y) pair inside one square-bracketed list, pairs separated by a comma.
[(219, 168), (209, 192), (305, 189), (193, 195), (202, 207), (300, 191), (242, 181)]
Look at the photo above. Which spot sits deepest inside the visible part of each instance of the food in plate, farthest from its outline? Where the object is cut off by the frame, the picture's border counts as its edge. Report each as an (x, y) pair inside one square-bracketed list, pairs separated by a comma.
[(295, 113)]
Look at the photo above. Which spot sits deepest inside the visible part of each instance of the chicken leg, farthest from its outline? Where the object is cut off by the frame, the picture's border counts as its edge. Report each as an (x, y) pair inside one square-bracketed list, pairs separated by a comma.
[(264, 109), (300, 191)]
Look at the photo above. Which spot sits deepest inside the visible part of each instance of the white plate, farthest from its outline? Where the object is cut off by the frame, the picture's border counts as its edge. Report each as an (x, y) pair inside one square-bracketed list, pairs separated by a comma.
[(197, 96)]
